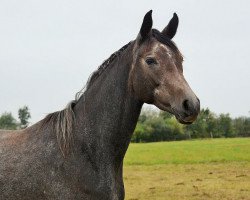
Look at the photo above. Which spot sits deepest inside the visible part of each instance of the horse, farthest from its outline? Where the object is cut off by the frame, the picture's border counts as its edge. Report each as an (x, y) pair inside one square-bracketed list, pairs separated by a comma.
[(78, 152)]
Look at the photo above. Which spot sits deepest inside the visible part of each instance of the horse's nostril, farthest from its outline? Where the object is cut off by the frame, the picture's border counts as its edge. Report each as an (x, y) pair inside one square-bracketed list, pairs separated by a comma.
[(185, 105)]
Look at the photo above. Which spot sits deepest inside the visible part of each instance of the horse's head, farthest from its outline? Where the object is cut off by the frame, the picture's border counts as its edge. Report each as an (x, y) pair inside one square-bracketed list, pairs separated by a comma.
[(157, 76)]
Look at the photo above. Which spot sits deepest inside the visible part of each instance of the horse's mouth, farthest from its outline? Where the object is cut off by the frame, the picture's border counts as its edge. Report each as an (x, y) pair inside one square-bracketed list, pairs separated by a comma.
[(187, 119), (164, 107), (168, 108)]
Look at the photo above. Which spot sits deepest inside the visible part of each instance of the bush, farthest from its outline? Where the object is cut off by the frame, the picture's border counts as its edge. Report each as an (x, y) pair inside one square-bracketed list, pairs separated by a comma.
[(155, 126)]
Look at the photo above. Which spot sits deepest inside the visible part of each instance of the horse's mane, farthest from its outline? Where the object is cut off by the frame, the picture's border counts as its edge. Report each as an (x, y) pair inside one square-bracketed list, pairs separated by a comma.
[(62, 122), (104, 65)]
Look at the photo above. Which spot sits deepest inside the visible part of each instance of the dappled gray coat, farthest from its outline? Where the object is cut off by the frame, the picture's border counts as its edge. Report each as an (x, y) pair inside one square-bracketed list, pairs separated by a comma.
[(78, 153)]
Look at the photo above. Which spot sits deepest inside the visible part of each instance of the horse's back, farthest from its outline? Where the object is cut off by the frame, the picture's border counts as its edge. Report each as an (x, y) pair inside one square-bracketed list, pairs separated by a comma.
[(12, 142), (13, 145), (32, 167), (8, 135), (21, 164), (5, 133)]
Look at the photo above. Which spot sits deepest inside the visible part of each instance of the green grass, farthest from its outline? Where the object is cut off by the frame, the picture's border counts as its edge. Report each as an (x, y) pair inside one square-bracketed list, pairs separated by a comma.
[(199, 169), (189, 152)]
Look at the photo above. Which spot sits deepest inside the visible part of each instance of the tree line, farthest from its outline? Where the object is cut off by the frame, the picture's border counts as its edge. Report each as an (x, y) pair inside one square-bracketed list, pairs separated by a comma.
[(155, 126), (8, 122)]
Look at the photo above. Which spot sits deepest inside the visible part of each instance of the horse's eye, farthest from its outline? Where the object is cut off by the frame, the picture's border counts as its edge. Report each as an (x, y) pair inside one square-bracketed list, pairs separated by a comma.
[(151, 61)]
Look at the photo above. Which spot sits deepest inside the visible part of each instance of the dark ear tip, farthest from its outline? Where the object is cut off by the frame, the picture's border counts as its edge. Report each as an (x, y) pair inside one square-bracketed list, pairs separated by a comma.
[(171, 28), (175, 15), (149, 13)]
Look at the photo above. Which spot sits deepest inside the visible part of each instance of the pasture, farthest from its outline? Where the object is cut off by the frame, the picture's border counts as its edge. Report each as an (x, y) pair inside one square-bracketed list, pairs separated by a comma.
[(199, 169)]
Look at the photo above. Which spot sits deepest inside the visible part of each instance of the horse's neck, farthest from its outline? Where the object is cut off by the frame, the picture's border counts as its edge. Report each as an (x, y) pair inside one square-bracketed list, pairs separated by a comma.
[(107, 113)]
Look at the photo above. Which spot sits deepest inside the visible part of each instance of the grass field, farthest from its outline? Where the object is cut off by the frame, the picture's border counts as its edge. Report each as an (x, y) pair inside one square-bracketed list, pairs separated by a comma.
[(200, 169)]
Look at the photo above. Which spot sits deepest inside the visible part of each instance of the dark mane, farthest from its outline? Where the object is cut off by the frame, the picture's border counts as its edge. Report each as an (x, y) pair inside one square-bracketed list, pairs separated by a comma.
[(164, 40), (104, 65), (62, 121)]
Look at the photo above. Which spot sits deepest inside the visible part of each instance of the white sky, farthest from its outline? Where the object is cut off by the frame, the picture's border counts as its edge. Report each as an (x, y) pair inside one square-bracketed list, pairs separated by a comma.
[(49, 48)]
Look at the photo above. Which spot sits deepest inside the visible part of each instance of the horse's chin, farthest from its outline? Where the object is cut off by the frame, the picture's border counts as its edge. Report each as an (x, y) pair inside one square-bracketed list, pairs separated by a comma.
[(182, 121)]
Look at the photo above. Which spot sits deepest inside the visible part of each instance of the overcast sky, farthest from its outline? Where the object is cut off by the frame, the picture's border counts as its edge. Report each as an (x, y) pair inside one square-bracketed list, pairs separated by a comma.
[(49, 48)]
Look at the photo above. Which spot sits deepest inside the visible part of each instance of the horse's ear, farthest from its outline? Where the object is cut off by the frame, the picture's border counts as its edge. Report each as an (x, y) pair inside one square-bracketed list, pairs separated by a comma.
[(146, 26), (171, 28)]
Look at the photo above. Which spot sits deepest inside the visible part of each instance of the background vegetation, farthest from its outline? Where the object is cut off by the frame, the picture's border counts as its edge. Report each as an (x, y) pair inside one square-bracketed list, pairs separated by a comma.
[(7, 121), (155, 126)]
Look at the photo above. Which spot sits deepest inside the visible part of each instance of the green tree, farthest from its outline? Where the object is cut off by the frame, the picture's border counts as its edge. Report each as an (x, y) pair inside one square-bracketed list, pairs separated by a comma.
[(159, 129), (225, 125), (211, 124), (7, 121), (24, 116), (242, 126), (154, 126), (199, 128), (176, 129), (161, 126), (165, 115), (142, 133)]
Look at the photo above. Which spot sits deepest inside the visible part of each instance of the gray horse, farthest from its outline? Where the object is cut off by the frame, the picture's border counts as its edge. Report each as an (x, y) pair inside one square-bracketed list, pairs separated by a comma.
[(78, 152)]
